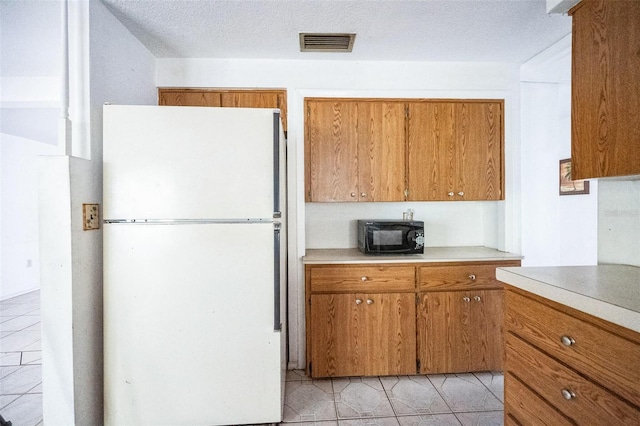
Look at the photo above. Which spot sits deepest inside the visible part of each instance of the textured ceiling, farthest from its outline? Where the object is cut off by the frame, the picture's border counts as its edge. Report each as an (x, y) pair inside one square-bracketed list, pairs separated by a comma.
[(398, 30)]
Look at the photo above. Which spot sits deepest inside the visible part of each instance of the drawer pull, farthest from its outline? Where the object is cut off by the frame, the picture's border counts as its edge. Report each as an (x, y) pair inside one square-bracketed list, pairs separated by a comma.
[(369, 302), (567, 341), (477, 298), (363, 278), (466, 299), (358, 301), (472, 277), (567, 394), (353, 194)]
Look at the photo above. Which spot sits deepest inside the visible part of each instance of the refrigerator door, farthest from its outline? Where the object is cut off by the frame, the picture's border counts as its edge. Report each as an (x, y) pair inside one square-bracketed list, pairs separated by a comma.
[(189, 325), (191, 162)]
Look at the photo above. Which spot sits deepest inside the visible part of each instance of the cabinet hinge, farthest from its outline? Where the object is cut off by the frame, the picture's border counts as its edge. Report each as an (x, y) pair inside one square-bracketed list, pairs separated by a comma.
[(406, 192)]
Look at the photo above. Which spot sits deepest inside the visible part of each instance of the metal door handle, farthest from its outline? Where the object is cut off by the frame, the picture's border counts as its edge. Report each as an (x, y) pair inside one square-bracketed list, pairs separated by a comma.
[(472, 277), (567, 340), (567, 394), (477, 298), (358, 301), (369, 302), (466, 299)]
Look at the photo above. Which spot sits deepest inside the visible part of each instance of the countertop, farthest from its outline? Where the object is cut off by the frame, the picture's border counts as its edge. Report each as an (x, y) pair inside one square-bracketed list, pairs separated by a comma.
[(431, 254), (609, 292)]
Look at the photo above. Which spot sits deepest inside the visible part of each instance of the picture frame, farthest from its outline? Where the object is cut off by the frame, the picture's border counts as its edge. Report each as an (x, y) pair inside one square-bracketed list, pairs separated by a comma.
[(568, 186)]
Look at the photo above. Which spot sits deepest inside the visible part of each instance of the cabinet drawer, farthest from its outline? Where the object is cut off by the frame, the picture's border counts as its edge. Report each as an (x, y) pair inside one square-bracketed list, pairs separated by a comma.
[(573, 395), (523, 407), (362, 278), (601, 355), (458, 277)]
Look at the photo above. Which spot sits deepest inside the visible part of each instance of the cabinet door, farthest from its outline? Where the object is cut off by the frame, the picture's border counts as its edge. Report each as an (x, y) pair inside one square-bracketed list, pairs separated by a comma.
[(431, 163), (189, 98), (486, 337), (256, 99), (443, 332), (605, 90), (331, 149), (381, 151), (478, 151), (390, 334), (337, 337)]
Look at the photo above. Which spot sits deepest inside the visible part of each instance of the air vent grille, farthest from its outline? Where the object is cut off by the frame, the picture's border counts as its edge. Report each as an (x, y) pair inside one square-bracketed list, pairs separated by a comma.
[(328, 42)]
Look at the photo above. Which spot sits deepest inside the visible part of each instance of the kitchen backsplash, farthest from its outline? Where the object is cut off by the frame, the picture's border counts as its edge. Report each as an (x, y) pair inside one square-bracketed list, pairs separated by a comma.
[(619, 222)]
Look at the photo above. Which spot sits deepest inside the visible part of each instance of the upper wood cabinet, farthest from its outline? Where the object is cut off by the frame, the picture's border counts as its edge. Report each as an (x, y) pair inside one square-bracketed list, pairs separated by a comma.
[(455, 150), (605, 83), (398, 149), (354, 150), (240, 98)]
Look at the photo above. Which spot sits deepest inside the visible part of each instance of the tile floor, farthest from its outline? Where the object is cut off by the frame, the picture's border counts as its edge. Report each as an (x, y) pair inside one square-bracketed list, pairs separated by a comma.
[(441, 399), (20, 360), (451, 399)]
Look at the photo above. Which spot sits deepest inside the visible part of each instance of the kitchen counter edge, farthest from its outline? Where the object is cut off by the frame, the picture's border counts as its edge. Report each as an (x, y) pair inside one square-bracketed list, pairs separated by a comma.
[(431, 255), (608, 292)]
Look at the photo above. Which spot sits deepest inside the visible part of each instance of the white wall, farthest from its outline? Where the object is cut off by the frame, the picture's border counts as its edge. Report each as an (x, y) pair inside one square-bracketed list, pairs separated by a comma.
[(492, 224), (118, 70), (556, 230)]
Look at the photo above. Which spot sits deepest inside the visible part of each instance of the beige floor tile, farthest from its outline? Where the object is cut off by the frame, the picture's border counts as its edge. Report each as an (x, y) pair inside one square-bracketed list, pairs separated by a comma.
[(358, 397), (309, 401), (464, 392), (429, 420), (487, 418), (413, 395)]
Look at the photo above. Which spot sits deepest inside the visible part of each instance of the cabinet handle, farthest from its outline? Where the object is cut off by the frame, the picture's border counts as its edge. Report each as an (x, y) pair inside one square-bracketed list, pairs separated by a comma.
[(567, 394), (466, 299), (450, 194), (363, 278), (472, 277), (358, 301), (353, 194), (477, 298), (363, 194), (369, 302), (461, 193), (567, 340)]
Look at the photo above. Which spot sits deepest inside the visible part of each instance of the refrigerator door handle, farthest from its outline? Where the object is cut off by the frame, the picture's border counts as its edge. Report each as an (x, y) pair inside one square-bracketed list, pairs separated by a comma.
[(277, 323), (276, 164)]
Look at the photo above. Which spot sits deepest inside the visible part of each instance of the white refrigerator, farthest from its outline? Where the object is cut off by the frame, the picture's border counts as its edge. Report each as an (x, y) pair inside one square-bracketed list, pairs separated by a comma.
[(194, 265)]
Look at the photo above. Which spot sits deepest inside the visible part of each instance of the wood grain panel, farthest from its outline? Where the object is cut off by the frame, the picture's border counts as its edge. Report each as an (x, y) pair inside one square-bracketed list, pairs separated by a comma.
[(390, 334), (463, 277), (592, 404), (479, 150), (486, 334), (605, 81), (363, 278), (431, 164), (381, 151), (331, 151), (189, 98), (524, 407), (604, 357)]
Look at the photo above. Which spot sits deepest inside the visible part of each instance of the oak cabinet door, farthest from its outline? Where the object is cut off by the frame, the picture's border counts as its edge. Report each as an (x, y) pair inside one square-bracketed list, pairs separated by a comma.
[(486, 336), (189, 98), (381, 151), (331, 149)]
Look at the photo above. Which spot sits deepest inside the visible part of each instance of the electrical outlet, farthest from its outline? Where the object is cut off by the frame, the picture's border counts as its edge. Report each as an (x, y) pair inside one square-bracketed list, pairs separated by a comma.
[(90, 216)]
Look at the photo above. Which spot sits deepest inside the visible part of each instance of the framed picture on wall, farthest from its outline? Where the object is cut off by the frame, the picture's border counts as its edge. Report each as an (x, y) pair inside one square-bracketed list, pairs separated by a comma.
[(569, 186)]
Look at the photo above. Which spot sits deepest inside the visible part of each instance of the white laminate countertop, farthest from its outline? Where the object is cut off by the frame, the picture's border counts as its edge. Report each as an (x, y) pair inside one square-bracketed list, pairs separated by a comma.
[(610, 292), (431, 254)]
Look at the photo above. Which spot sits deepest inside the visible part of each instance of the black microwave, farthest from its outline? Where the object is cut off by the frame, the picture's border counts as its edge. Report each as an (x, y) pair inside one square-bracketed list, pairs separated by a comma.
[(391, 236)]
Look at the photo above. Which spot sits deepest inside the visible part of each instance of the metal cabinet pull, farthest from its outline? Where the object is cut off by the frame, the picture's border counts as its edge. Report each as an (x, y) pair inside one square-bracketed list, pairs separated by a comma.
[(353, 194), (363, 194), (369, 302), (358, 301), (567, 394), (450, 194), (466, 299), (461, 193), (363, 278), (472, 277), (567, 340), (477, 298)]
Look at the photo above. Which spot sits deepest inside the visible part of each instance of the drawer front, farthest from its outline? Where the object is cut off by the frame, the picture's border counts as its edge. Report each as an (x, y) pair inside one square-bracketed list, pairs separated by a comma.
[(599, 354), (458, 277), (523, 407), (573, 395), (363, 278)]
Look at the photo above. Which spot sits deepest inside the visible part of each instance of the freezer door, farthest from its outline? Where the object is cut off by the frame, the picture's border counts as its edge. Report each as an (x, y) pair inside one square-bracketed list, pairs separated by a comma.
[(189, 325), (189, 162)]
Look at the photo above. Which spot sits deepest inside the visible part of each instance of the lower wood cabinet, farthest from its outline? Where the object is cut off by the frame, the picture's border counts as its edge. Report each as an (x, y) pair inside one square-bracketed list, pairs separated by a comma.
[(566, 367), (389, 319), (363, 334), (460, 331)]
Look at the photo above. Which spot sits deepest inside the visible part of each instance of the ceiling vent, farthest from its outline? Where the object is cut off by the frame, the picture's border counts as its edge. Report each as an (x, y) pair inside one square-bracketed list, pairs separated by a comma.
[(327, 42)]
